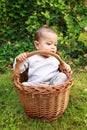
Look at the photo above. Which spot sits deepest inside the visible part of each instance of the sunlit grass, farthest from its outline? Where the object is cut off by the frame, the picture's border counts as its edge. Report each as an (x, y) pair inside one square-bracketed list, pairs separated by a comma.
[(13, 117)]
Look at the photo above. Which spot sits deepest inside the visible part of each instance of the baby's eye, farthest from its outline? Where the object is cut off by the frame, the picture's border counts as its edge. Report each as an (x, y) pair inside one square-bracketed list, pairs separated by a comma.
[(48, 43), (55, 44)]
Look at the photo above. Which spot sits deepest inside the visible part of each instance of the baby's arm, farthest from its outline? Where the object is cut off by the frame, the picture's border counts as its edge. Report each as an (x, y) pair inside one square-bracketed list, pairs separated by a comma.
[(24, 65), (68, 68)]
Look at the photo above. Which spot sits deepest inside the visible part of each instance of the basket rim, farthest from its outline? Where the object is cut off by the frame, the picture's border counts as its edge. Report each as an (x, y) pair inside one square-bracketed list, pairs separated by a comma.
[(43, 89)]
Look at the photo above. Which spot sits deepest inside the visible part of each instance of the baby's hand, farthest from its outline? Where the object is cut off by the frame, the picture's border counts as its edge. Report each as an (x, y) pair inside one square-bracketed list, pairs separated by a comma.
[(21, 57), (68, 68)]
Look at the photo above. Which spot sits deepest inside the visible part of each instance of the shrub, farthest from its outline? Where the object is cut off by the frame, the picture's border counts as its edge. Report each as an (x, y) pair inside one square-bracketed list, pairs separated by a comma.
[(19, 20)]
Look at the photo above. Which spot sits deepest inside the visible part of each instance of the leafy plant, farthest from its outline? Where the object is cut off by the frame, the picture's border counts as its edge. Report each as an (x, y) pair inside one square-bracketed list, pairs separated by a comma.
[(18, 22)]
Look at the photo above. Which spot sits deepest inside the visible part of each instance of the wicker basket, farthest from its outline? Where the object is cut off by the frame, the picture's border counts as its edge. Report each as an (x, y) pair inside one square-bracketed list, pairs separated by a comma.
[(45, 102)]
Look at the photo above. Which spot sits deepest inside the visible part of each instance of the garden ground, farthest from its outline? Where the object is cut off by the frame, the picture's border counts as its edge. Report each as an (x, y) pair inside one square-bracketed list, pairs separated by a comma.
[(13, 117)]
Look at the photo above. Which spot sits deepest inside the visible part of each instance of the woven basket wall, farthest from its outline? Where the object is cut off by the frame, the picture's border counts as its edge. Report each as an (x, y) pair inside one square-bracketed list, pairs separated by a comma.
[(45, 102)]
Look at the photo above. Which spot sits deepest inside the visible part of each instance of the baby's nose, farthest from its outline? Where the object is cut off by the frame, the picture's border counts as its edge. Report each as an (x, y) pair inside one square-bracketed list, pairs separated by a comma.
[(53, 46)]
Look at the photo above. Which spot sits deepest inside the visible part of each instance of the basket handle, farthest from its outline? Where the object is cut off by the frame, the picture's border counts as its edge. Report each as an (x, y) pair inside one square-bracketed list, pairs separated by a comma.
[(43, 53)]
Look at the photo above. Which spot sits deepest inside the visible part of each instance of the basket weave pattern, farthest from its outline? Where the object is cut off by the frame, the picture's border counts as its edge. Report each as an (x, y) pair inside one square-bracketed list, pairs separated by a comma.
[(46, 102)]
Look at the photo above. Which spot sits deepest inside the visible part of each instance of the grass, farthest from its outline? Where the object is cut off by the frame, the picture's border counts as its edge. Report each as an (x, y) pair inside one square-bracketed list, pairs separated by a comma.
[(13, 117)]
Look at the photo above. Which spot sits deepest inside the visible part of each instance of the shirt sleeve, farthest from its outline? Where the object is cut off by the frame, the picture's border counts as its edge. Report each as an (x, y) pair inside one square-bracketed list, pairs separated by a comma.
[(24, 65)]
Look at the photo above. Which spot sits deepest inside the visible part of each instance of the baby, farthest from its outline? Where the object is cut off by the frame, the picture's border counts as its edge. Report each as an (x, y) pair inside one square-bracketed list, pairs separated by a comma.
[(43, 70)]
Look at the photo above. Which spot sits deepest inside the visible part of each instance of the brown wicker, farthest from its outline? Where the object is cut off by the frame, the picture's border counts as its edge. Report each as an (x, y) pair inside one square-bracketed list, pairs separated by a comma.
[(44, 102)]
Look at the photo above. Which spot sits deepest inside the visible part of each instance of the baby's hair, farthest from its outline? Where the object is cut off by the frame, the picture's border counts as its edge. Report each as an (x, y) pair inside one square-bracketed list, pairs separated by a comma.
[(40, 30)]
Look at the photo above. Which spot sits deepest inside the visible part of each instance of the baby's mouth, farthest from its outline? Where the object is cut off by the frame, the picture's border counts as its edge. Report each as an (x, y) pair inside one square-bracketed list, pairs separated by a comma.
[(53, 51)]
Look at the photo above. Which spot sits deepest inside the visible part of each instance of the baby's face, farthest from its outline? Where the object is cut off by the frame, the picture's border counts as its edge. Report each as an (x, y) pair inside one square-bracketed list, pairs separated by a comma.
[(48, 42)]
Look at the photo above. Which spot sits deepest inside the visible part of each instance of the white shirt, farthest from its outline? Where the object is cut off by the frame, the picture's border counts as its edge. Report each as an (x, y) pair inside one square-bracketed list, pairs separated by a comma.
[(41, 69)]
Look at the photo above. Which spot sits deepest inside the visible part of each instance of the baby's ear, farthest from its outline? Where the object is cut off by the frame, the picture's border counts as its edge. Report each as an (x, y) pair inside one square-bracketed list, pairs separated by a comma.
[(36, 43)]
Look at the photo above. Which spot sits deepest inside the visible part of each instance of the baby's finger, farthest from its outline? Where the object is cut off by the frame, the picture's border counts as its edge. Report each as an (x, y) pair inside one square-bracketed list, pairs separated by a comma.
[(21, 57)]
